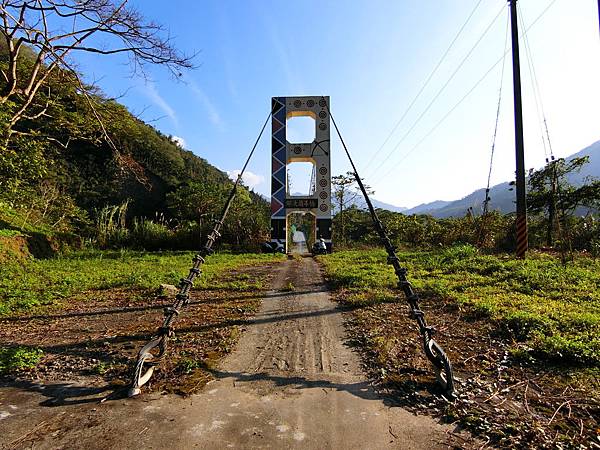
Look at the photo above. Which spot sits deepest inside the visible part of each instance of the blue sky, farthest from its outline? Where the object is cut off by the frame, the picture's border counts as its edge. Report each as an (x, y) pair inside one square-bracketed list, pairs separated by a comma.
[(371, 58)]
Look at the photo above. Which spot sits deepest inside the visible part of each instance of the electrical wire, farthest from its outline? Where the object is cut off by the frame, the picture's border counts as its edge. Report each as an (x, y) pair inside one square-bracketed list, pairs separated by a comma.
[(464, 97), (537, 94), (430, 132), (437, 95), (432, 73), (489, 178)]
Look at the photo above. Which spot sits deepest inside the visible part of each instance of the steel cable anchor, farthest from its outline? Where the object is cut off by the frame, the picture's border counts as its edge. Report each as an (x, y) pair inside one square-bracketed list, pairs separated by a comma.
[(160, 339), (434, 352)]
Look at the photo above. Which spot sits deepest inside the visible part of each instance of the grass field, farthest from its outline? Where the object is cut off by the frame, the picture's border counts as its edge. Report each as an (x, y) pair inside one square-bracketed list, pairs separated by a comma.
[(522, 336), (34, 283), (54, 291), (553, 308)]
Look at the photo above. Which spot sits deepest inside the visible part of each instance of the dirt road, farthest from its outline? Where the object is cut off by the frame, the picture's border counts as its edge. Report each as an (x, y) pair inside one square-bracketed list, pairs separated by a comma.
[(290, 383)]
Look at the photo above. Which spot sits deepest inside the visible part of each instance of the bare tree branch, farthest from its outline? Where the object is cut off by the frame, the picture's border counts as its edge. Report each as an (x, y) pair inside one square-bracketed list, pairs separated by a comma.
[(116, 27)]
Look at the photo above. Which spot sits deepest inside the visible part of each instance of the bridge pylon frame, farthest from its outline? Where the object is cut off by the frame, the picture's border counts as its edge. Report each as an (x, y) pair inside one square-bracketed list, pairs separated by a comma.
[(318, 202)]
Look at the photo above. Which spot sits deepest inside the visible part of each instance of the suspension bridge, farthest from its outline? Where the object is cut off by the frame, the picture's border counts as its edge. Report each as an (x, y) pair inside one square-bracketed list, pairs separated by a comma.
[(290, 374), (318, 201)]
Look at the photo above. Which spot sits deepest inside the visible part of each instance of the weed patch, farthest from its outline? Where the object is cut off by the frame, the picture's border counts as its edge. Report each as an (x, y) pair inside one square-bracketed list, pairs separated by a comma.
[(553, 308), (19, 358), (25, 286), (522, 336)]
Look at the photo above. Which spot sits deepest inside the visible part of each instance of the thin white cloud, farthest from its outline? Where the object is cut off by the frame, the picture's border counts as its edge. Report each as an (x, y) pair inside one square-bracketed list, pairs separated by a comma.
[(228, 51), (283, 53), (152, 93), (213, 114), (180, 141), (250, 179)]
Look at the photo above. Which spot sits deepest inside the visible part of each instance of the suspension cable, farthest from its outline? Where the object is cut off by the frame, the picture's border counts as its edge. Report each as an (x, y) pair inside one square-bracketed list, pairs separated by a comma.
[(425, 84), (438, 93), (158, 343), (434, 352)]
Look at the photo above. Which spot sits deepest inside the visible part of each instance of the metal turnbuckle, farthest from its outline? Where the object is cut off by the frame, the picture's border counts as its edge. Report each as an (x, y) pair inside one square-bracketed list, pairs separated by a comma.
[(441, 366), (145, 356)]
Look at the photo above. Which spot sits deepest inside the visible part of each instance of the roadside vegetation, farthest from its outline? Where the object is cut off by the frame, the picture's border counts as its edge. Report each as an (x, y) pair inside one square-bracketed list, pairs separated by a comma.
[(35, 283), (522, 335), (87, 313), (554, 310)]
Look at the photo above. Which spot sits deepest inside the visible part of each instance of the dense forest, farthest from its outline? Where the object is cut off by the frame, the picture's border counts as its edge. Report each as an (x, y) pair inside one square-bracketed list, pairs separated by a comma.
[(82, 168)]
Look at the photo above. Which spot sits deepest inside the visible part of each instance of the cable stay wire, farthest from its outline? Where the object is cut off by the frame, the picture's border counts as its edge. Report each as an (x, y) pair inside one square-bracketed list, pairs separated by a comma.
[(537, 94), (489, 177), (442, 366), (440, 91), (392, 168), (155, 350), (425, 84)]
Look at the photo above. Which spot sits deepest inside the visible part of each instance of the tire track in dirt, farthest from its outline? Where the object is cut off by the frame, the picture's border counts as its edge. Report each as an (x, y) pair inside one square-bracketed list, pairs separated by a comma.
[(292, 383)]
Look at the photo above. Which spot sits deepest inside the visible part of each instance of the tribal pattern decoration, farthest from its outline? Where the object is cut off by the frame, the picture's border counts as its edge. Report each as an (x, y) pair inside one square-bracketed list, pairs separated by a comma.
[(318, 202)]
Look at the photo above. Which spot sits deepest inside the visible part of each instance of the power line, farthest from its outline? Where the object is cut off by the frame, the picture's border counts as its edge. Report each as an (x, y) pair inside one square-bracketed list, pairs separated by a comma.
[(433, 72), (437, 95), (465, 96), (537, 94), (430, 132), (489, 178)]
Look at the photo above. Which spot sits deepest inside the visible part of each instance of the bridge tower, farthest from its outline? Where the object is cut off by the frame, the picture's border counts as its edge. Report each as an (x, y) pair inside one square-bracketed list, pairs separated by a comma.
[(318, 202)]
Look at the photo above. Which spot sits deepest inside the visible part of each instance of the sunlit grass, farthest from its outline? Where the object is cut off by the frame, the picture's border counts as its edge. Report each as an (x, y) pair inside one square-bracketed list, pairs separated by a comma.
[(552, 307), (34, 283)]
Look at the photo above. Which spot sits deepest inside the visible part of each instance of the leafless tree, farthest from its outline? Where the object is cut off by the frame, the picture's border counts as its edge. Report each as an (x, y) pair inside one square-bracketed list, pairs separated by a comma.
[(52, 31)]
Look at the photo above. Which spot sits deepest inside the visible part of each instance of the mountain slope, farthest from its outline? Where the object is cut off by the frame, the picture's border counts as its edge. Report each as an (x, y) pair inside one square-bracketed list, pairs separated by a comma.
[(360, 203), (501, 196), (426, 208)]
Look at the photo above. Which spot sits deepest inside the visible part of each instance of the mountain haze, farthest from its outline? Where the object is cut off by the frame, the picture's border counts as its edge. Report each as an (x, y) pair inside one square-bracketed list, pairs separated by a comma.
[(501, 195)]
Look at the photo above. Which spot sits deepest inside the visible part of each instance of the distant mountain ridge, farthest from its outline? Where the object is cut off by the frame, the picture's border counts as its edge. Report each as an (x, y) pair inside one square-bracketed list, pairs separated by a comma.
[(360, 203), (501, 197)]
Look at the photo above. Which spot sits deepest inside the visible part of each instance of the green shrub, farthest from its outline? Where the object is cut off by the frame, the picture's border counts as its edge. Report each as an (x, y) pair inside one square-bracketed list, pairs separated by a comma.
[(18, 358)]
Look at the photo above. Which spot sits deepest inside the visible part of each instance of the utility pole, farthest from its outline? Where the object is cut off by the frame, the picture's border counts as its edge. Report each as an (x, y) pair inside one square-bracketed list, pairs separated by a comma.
[(521, 223)]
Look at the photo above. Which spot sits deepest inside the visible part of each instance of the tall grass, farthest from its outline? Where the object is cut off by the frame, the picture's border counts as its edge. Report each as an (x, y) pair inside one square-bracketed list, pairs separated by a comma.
[(111, 230), (114, 231)]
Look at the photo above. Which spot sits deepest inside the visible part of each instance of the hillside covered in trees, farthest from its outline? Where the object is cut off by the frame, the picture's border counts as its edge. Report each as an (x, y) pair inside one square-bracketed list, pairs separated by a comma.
[(80, 164)]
